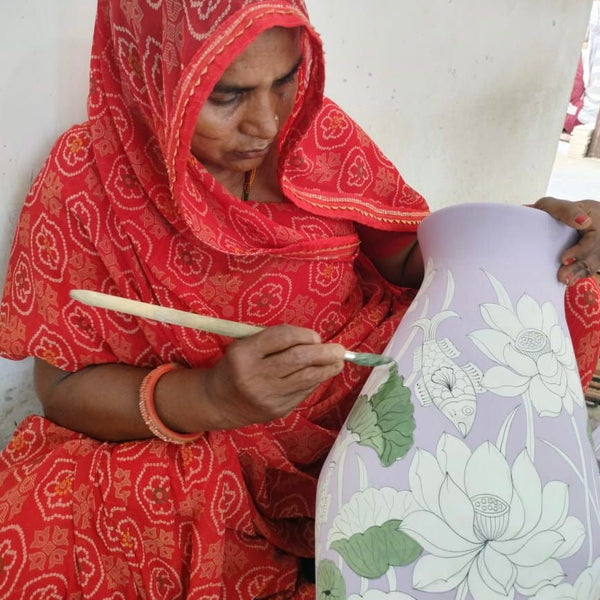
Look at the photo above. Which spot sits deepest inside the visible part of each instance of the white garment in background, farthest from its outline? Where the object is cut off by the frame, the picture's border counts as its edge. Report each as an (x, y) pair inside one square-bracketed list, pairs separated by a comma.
[(591, 99)]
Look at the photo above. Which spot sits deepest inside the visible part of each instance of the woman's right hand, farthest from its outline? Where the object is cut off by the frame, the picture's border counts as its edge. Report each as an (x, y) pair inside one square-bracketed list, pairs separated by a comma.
[(267, 375), (259, 379)]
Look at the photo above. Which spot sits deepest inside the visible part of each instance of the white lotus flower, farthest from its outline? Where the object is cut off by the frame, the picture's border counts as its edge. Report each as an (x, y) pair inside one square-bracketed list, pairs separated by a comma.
[(369, 508), (587, 587), (534, 355), (379, 595), (485, 525)]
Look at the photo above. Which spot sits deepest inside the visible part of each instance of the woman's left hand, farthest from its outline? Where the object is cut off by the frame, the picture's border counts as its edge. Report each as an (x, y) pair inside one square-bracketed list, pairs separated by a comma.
[(583, 259)]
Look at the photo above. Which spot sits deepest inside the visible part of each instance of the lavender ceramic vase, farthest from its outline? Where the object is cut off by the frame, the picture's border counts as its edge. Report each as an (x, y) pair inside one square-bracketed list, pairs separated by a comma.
[(465, 470)]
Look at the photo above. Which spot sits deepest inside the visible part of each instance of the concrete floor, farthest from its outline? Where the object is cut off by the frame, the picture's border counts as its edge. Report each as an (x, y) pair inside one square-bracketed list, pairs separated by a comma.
[(574, 178)]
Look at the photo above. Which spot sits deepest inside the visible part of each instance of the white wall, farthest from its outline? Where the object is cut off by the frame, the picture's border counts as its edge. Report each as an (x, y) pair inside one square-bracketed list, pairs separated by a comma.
[(467, 97), (44, 58)]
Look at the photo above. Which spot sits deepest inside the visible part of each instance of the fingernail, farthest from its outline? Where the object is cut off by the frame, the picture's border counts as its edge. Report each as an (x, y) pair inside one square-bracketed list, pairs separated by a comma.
[(581, 219), (569, 261)]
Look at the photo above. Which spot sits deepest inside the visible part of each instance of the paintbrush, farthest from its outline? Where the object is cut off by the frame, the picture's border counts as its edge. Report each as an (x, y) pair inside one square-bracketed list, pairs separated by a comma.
[(187, 319)]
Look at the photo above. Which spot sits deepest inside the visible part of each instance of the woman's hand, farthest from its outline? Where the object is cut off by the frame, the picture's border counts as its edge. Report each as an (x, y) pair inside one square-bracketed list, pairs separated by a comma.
[(259, 379), (264, 377), (583, 259)]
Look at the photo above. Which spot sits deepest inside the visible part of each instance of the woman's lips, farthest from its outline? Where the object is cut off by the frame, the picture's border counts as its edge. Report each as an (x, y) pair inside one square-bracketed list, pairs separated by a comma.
[(252, 153)]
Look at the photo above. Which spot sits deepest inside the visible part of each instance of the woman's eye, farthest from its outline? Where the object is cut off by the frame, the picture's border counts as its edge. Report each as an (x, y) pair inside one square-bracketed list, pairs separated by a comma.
[(223, 99), (291, 78)]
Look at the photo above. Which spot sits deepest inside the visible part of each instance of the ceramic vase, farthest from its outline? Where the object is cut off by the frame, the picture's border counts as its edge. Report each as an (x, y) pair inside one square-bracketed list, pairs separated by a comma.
[(465, 470)]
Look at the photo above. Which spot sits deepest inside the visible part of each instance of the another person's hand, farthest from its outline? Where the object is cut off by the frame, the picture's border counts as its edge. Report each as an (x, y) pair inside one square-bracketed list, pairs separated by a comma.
[(582, 259), (264, 377)]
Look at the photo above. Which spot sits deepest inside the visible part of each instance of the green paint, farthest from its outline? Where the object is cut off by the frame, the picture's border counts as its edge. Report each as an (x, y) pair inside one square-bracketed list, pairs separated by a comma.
[(330, 582), (366, 359), (385, 421), (372, 553)]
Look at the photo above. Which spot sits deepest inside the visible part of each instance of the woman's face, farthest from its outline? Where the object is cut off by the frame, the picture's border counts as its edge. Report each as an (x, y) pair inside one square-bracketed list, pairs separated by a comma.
[(240, 121)]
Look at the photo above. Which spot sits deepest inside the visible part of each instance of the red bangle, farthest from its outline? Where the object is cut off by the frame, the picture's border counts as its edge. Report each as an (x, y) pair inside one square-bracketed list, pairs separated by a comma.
[(148, 410)]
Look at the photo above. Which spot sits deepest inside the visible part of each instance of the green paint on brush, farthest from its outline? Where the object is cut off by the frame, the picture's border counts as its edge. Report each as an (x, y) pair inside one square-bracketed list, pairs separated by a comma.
[(367, 360)]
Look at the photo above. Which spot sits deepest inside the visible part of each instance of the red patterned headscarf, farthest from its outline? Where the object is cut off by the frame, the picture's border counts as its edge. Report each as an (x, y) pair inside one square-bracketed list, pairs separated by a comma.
[(121, 206)]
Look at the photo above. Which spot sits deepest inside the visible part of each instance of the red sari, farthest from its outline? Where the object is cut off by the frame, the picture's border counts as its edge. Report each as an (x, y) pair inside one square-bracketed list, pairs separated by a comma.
[(121, 207)]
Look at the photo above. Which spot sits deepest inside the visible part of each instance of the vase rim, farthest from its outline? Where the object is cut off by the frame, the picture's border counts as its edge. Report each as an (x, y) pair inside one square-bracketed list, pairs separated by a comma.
[(519, 210), (489, 206), (482, 224)]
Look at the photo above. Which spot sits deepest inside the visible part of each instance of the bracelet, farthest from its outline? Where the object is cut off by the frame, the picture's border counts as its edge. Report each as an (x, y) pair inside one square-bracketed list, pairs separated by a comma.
[(148, 410)]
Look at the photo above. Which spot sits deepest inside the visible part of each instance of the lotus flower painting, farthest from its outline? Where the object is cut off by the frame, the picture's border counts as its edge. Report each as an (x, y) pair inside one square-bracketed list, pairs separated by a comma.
[(464, 470)]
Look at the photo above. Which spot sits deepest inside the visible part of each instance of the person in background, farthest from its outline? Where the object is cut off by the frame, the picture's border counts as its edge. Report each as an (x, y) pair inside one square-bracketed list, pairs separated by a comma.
[(585, 95), (591, 97), (575, 101), (212, 176)]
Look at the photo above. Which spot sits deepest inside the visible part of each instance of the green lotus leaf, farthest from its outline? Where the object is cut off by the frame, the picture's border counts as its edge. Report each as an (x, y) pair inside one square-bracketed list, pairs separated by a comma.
[(363, 421), (385, 421), (372, 553), (330, 583)]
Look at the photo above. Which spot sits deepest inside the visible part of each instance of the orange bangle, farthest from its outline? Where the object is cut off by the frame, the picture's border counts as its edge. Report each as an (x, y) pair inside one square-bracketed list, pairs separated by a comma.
[(148, 410)]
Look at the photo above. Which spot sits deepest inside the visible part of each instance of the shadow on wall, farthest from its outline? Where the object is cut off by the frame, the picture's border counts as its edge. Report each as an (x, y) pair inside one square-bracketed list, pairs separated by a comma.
[(18, 398), (35, 110)]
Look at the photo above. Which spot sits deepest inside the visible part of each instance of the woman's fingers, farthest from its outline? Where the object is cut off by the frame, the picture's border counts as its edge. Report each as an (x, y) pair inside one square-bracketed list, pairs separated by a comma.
[(302, 357), (279, 338), (308, 379), (267, 375), (583, 259), (577, 215), (283, 350)]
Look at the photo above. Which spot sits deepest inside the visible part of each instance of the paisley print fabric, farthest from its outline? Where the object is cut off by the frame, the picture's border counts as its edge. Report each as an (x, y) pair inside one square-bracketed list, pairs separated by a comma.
[(122, 207), (582, 308)]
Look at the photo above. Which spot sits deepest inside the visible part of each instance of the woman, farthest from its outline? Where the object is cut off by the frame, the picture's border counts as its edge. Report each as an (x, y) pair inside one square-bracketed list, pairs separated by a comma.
[(210, 177)]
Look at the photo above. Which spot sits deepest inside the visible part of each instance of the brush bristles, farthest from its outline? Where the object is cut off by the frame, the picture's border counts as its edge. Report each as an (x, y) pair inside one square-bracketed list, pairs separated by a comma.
[(366, 359)]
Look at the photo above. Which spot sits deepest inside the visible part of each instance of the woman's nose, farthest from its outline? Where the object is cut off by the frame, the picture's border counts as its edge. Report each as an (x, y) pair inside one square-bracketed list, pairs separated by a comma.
[(261, 119)]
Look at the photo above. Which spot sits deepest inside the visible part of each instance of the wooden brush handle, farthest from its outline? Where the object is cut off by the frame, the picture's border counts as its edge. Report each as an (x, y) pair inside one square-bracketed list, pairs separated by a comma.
[(164, 314), (233, 329)]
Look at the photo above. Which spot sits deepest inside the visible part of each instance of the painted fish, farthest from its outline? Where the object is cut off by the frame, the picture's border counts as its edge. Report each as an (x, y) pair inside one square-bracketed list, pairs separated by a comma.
[(451, 388)]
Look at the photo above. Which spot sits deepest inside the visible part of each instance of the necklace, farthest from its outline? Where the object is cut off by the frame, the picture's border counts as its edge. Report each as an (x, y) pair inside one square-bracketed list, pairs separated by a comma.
[(249, 177)]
